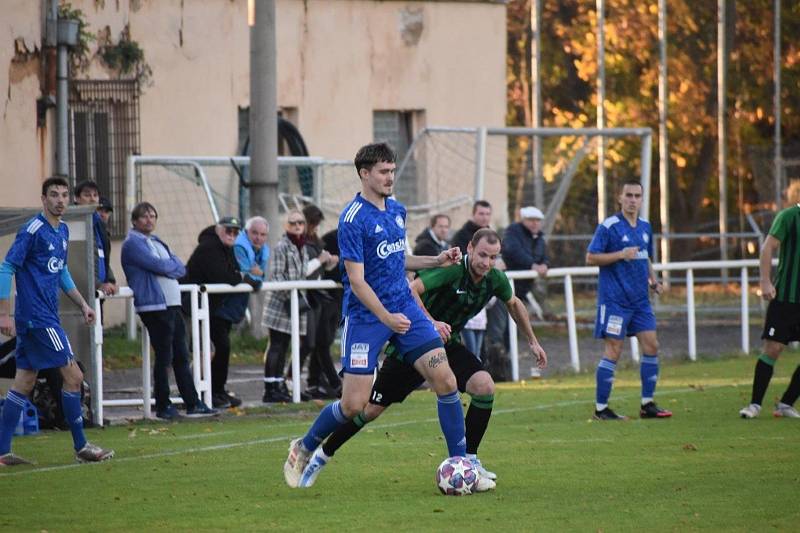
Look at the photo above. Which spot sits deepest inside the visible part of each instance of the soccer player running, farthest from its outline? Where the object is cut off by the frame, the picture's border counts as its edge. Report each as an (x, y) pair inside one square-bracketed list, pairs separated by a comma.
[(622, 247), (450, 296), (782, 324), (38, 258), (378, 306)]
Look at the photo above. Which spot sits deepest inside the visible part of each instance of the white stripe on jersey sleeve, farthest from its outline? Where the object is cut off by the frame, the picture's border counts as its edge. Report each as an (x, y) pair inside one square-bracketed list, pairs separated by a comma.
[(34, 226), (351, 214), (610, 221)]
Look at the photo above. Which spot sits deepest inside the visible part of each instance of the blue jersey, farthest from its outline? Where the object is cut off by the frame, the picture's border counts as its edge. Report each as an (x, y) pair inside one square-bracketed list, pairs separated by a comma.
[(377, 239), (39, 254), (623, 282)]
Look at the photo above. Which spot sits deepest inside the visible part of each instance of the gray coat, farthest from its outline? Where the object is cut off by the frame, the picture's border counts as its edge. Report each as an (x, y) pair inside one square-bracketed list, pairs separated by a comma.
[(285, 264)]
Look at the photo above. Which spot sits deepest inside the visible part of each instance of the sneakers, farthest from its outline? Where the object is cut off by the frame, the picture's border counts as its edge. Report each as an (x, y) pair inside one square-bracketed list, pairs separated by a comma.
[(224, 399), (608, 414), (651, 410), (9, 459), (93, 454), (274, 394), (785, 410), (169, 414), (296, 463), (200, 410), (482, 471), (751, 411), (313, 468), (484, 484)]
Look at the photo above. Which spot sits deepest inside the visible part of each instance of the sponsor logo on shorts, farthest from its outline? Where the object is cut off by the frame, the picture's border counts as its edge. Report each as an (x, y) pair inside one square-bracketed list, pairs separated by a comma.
[(359, 355), (385, 249), (614, 326)]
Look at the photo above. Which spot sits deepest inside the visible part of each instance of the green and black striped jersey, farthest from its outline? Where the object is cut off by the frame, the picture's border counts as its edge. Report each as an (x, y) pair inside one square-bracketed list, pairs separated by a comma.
[(786, 228)]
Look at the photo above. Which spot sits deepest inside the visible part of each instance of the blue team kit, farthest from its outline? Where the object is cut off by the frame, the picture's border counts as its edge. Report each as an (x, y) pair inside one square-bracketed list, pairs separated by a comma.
[(376, 239), (39, 259), (623, 305)]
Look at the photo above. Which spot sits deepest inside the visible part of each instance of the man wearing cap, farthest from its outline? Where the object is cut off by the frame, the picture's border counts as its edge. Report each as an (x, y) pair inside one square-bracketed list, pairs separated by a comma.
[(105, 209), (213, 261), (524, 249), (88, 193)]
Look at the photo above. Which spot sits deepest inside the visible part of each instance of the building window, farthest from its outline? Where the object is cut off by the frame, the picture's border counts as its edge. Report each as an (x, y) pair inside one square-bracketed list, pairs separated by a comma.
[(103, 132), (398, 129)]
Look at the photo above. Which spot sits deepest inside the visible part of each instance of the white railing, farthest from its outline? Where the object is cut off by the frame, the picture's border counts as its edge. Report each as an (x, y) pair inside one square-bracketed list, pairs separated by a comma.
[(689, 267), (201, 343), (201, 340)]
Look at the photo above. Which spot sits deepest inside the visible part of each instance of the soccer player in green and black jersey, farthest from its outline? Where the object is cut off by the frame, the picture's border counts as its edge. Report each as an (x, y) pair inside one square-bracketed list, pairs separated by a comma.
[(450, 296), (782, 324)]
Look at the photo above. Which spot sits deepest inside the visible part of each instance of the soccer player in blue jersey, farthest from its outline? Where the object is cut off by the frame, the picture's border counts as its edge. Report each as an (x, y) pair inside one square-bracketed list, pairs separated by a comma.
[(622, 247), (38, 258), (378, 306)]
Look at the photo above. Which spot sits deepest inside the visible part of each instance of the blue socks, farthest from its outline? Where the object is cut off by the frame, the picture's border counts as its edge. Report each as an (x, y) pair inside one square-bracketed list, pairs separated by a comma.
[(71, 404), (605, 380), (648, 370), (330, 418), (451, 419), (12, 408)]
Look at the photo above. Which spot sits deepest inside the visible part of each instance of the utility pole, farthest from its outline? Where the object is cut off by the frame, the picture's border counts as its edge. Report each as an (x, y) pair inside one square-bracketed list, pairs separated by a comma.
[(264, 118), (722, 133), (663, 139), (602, 188), (536, 101), (777, 103)]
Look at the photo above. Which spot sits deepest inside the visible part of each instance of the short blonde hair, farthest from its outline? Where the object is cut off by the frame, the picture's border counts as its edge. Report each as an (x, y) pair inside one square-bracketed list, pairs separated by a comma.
[(793, 192)]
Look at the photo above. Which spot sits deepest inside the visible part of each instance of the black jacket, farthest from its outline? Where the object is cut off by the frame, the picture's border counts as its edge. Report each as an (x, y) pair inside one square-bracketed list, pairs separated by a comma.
[(213, 262), (521, 249), (464, 235), (426, 245)]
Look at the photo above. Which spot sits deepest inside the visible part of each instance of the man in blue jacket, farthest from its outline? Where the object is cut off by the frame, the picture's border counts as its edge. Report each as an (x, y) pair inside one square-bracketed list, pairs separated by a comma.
[(152, 271)]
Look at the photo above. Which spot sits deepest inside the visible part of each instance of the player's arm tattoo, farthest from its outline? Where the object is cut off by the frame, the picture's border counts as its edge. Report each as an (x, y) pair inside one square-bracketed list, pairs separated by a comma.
[(437, 359)]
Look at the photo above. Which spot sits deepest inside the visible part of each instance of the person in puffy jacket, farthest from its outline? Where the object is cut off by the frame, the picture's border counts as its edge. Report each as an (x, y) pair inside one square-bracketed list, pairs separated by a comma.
[(213, 261)]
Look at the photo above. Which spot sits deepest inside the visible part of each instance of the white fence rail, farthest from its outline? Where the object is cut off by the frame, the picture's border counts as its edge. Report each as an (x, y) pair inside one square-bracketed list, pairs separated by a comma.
[(201, 343)]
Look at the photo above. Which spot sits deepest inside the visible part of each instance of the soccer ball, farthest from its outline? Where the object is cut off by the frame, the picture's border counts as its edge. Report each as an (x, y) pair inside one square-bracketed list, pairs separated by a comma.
[(456, 476)]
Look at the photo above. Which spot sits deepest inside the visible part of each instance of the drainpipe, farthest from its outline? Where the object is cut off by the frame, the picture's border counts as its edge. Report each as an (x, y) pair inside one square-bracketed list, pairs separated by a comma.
[(66, 36)]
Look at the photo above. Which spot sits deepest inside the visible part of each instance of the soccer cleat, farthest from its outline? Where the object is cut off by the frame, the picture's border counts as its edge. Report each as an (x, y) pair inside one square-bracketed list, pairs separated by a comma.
[(312, 470), (235, 400), (608, 414), (484, 484), (482, 471), (785, 410), (93, 454), (750, 411), (9, 459), (200, 410), (295, 463), (651, 410)]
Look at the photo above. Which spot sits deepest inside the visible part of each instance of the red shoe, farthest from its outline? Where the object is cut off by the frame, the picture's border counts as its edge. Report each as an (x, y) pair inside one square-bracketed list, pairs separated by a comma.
[(651, 410)]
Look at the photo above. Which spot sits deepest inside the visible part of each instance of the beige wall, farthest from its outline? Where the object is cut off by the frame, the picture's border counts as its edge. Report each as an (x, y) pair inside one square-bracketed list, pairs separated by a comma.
[(338, 61)]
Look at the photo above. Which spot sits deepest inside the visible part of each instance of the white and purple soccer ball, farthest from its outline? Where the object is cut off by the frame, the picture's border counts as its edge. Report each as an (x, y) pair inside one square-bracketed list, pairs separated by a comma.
[(456, 476)]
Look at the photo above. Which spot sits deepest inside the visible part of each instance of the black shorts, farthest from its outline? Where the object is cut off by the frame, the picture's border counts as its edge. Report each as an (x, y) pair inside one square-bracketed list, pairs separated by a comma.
[(396, 379), (782, 323)]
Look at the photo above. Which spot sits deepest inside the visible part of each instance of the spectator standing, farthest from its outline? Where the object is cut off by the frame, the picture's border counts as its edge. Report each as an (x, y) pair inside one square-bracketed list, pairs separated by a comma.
[(473, 333), (88, 193), (213, 261), (288, 262), (524, 249), (152, 271), (481, 218), (104, 210), (320, 366), (433, 240)]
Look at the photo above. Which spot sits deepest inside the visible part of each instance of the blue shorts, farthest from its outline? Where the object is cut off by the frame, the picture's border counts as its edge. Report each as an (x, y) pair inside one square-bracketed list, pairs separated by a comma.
[(40, 348), (617, 321), (362, 343)]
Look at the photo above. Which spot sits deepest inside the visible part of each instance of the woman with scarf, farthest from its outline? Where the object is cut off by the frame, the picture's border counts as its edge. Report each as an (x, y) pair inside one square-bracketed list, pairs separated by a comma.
[(288, 262)]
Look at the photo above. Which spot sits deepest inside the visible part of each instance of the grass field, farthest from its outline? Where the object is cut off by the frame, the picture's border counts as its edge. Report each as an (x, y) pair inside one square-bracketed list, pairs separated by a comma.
[(703, 469)]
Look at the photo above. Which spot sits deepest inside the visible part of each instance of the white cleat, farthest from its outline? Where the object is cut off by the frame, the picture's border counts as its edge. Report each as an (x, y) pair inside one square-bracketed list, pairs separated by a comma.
[(482, 471), (313, 468), (784, 410), (295, 463), (484, 484), (750, 411)]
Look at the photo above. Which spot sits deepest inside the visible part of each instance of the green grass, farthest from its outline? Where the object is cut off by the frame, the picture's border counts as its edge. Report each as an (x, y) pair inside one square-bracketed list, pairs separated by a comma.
[(703, 469)]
